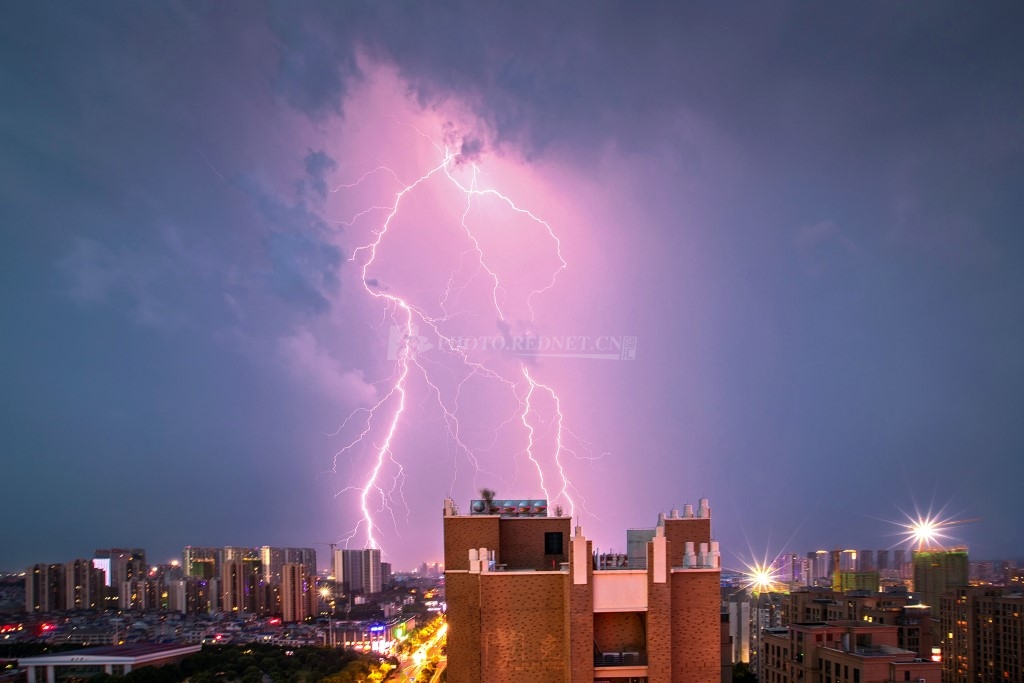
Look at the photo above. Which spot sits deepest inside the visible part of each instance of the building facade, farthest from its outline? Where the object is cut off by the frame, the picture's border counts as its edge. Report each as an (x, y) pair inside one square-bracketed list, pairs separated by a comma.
[(297, 593), (984, 629), (841, 652), (912, 621), (937, 570), (358, 571), (526, 601), (44, 588)]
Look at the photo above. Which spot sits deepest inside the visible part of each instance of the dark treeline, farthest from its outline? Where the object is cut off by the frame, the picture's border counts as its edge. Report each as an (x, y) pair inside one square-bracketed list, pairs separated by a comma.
[(249, 664)]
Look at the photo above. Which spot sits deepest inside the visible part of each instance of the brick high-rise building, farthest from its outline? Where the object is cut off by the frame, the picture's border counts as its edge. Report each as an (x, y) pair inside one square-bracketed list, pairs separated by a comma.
[(526, 602), (984, 630), (297, 593), (841, 652), (913, 622), (242, 587)]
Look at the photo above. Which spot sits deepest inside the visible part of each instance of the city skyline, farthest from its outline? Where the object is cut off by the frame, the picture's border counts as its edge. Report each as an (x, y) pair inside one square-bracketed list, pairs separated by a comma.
[(767, 256)]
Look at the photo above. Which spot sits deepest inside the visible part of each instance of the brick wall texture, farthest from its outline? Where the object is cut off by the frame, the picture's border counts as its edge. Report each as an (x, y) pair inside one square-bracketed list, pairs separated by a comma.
[(525, 627), (463, 594), (696, 630), (522, 542), (579, 623), (524, 639), (463, 533)]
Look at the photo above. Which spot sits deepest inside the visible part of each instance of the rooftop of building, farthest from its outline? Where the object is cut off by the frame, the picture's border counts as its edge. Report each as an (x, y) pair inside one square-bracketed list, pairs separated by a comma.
[(874, 651), (129, 652)]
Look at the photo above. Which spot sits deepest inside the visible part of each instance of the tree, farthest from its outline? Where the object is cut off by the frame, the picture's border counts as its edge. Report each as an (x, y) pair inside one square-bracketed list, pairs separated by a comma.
[(488, 496), (741, 673)]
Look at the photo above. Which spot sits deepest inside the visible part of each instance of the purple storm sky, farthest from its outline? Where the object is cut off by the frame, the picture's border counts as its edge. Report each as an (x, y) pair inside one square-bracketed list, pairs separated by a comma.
[(807, 216)]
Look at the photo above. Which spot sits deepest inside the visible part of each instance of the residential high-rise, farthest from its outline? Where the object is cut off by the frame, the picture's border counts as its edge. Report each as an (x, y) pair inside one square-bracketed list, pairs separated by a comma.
[(297, 593), (44, 588), (200, 562), (866, 561), (984, 629), (526, 601), (242, 587), (83, 585), (857, 581), (882, 560), (193, 595), (358, 571), (937, 570), (903, 568), (819, 568), (125, 564), (739, 629), (274, 559)]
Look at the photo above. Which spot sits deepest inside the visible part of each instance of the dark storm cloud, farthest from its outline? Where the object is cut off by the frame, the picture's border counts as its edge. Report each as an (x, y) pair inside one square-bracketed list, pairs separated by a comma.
[(316, 61), (318, 164), (304, 262), (303, 269)]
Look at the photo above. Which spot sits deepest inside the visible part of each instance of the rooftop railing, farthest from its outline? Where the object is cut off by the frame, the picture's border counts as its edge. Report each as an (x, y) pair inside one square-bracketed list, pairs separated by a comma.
[(624, 658)]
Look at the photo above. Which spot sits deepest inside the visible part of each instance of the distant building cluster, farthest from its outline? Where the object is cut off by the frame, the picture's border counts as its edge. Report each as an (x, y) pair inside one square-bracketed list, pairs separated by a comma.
[(528, 597), (208, 580)]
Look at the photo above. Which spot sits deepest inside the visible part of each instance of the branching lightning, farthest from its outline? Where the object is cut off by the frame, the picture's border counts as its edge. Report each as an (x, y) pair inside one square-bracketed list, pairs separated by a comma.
[(374, 429)]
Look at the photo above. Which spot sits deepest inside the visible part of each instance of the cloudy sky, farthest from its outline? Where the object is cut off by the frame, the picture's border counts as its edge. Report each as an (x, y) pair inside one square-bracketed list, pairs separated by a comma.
[(217, 219)]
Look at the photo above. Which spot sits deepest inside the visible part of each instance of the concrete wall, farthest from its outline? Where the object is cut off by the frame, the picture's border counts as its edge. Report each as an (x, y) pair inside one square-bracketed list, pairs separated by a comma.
[(620, 590)]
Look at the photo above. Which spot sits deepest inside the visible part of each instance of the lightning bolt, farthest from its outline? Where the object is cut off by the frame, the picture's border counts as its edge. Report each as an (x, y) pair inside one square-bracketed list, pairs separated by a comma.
[(537, 406)]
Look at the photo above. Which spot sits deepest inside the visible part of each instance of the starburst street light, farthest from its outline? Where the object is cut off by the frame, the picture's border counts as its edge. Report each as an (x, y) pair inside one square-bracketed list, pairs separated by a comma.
[(925, 532), (761, 578), (929, 530)]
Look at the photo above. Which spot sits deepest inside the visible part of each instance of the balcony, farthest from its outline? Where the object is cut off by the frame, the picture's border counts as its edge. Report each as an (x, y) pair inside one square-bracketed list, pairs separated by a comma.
[(625, 658)]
